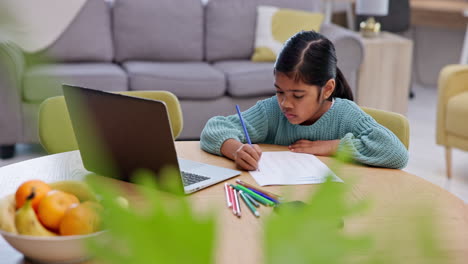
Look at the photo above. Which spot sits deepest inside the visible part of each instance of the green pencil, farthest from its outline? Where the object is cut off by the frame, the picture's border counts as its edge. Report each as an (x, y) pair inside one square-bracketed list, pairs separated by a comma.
[(249, 204), (257, 197)]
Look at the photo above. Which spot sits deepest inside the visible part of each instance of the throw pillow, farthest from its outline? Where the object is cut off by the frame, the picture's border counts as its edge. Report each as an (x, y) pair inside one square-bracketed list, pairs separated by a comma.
[(276, 25)]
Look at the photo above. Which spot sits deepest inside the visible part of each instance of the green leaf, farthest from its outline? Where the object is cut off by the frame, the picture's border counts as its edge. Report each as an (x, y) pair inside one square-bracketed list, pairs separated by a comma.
[(165, 231)]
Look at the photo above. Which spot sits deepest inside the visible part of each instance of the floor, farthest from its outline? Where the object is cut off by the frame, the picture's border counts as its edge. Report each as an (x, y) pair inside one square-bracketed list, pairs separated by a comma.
[(427, 160)]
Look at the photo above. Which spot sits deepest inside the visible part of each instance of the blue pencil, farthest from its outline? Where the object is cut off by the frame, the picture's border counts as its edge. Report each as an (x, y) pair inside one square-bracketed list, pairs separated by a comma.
[(243, 125), (264, 195)]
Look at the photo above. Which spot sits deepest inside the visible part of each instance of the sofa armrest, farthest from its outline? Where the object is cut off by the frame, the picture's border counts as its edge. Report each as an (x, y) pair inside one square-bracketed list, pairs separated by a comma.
[(348, 45), (453, 80), (11, 72)]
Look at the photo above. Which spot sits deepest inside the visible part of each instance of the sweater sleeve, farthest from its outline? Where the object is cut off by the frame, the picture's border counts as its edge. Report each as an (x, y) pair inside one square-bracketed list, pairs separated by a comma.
[(375, 145), (221, 128)]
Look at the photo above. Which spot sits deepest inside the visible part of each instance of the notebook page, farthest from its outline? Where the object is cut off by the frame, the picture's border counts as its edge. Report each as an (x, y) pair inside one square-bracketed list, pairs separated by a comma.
[(287, 168)]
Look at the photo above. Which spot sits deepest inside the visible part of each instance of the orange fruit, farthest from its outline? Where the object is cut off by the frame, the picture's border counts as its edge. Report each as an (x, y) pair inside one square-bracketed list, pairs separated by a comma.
[(24, 190), (81, 219), (53, 206)]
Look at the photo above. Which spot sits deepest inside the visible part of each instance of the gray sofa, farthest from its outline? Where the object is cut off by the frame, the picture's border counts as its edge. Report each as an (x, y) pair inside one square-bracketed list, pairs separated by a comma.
[(201, 53)]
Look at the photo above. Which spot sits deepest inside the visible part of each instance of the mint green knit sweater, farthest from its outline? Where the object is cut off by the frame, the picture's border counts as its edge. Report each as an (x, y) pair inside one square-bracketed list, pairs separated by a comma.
[(371, 143)]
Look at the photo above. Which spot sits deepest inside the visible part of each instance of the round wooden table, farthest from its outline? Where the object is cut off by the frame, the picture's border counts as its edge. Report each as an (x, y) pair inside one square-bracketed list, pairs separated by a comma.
[(393, 194)]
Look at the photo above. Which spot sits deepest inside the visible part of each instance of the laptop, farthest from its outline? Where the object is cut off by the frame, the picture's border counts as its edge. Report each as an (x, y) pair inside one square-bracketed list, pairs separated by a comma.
[(119, 134)]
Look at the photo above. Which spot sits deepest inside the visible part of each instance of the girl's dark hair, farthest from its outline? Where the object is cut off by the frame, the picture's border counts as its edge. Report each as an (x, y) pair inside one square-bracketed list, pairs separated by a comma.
[(310, 57)]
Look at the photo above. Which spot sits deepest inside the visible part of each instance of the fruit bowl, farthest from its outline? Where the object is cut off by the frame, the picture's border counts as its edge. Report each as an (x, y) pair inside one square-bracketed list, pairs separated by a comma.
[(22, 229), (60, 249)]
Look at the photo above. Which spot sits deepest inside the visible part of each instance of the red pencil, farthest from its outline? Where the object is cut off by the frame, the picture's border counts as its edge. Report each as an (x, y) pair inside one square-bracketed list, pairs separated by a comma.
[(231, 196)]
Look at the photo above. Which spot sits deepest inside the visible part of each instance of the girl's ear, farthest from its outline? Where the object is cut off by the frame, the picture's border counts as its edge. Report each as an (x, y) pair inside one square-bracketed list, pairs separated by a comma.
[(329, 88)]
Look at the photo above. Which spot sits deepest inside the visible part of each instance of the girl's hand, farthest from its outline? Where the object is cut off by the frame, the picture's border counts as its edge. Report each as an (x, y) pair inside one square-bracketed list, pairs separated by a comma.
[(320, 148), (247, 156)]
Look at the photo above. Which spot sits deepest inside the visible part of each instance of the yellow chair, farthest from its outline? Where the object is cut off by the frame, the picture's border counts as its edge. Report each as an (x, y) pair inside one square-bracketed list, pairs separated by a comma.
[(396, 123), (56, 132), (452, 111)]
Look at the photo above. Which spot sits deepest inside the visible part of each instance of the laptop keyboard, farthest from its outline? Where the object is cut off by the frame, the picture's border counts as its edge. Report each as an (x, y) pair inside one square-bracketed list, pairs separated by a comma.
[(190, 178)]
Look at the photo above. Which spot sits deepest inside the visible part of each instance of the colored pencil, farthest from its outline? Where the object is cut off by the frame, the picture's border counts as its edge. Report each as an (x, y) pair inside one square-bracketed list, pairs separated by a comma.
[(228, 199), (264, 195), (257, 197), (243, 125), (237, 203), (252, 200), (250, 186), (244, 128), (231, 195), (249, 204)]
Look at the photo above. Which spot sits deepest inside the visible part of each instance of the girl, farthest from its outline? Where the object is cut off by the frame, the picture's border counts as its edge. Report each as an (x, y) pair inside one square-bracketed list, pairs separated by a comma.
[(312, 112)]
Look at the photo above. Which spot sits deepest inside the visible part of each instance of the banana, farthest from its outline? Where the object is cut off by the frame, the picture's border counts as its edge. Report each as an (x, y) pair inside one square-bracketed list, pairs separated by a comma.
[(78, 188), (7, 214), (26, 221)]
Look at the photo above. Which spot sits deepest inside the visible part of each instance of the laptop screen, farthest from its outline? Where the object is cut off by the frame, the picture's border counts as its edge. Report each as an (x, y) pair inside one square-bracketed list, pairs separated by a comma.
[(118, 135)]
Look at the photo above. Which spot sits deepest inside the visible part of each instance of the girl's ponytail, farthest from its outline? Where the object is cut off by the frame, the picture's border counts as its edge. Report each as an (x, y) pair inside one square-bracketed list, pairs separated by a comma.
[(342, 89)]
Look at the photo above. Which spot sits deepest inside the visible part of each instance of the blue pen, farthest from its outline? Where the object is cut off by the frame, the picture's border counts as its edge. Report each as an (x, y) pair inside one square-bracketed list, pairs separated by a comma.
[(243, 125), (264, 195)]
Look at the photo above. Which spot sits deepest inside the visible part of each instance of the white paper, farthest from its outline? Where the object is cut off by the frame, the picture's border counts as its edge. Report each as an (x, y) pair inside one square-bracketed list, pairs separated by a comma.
[(288, 168)]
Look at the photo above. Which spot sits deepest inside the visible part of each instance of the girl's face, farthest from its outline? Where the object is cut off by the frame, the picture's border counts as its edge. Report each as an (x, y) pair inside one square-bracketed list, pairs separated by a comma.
[(302, 104)]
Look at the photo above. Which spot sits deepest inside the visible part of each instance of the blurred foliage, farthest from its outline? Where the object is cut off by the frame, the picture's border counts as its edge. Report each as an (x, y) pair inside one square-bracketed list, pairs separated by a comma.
[(314, 233), (164, 231)]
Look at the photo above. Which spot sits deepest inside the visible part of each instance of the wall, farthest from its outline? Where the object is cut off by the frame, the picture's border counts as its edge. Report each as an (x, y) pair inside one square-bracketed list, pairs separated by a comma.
[(433, 49)]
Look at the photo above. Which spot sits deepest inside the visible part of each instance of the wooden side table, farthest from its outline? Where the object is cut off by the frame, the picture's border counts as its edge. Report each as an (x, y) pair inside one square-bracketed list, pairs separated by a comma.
[(385, 74)]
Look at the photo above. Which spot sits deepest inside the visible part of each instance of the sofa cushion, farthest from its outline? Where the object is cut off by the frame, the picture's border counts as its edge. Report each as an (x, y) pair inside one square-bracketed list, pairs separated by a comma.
[(163, 30), (276, 25), (184, 79), (457, 110), (230, 25), (247, 78), (88, 37), (43, 81)]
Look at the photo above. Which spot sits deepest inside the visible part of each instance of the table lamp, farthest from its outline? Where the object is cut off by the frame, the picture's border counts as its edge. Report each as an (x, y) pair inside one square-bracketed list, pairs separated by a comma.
[(371, 8)]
